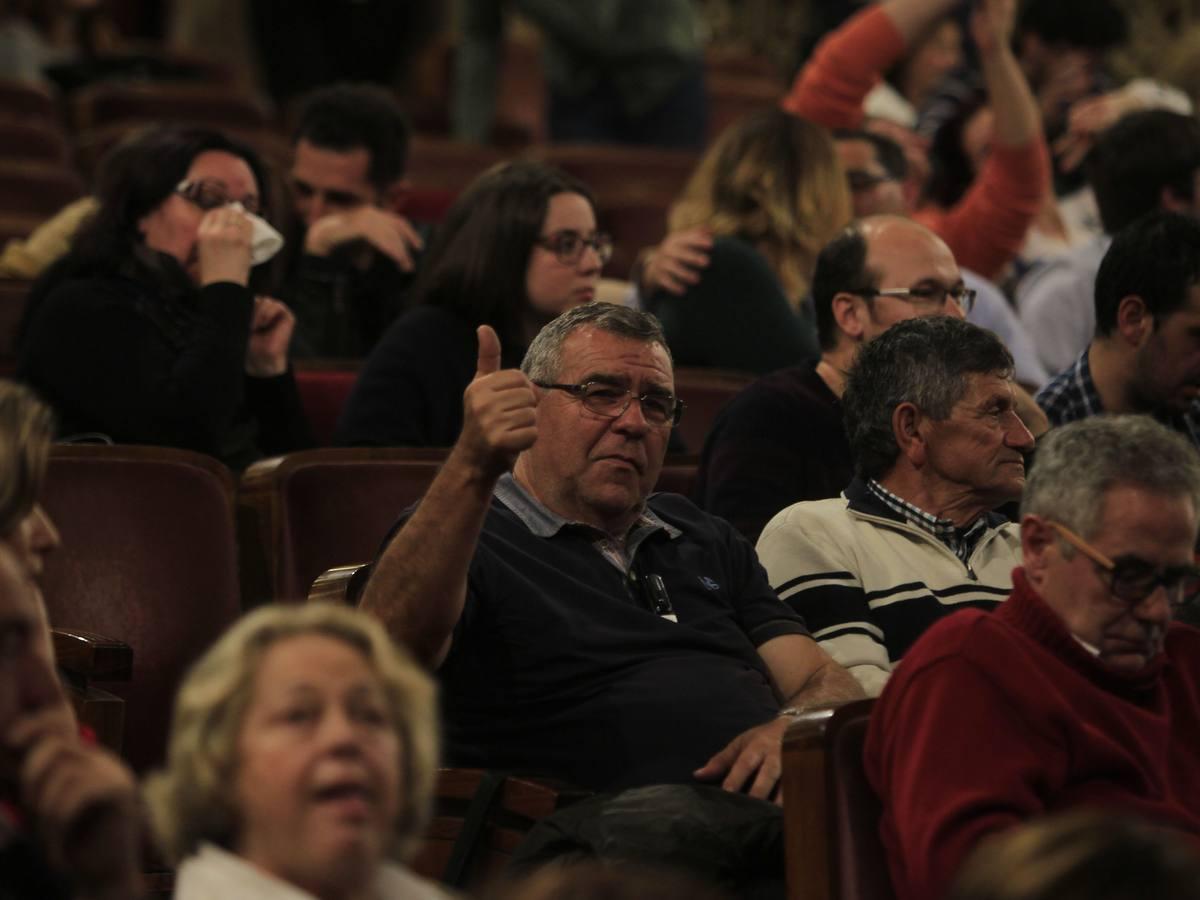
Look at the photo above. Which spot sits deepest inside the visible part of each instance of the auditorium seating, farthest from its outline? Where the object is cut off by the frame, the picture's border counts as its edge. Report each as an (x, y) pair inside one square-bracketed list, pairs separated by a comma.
[(32, 139), (620, 170), (306, 512), (13, 294), (831, 813), (704, 392), (216, 105), (148, 559), (37, 189), (324, 386), (28, 102)]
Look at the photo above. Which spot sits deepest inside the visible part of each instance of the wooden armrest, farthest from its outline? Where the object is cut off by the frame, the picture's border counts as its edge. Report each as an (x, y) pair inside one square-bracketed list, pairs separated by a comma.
[(92, 656), (342, 584)]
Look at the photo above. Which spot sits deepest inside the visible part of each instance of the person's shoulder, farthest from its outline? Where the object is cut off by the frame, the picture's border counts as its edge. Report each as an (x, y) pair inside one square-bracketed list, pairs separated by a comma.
[(829, 516), (956, 636), (736, 252), (1077, 267)]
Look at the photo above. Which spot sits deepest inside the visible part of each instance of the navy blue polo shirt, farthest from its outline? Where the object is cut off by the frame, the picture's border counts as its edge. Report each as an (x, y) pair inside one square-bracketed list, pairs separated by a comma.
[(559, 665)]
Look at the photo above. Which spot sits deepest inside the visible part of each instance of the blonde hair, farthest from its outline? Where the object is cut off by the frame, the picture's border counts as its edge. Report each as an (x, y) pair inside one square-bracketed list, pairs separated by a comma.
[(774, 179), (190, 801), (26, 432)]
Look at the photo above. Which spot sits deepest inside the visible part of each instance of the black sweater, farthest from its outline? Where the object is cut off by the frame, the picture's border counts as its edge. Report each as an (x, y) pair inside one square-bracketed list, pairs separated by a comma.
[(157, 365)]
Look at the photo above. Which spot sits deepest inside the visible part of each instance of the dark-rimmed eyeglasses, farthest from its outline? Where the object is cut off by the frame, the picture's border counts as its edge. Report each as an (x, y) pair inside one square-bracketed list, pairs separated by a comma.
[(611, 401), (1132, 580), (926, 297), (212, 195), (568, 246)]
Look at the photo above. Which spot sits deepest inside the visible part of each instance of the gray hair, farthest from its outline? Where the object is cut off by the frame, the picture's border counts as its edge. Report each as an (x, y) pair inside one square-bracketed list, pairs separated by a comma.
[(1077, 464), (924, 361), (543, 359)]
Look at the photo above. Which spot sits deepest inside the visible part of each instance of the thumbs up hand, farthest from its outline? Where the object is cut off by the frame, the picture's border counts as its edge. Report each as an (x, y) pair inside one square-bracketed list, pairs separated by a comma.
[(498, 411)]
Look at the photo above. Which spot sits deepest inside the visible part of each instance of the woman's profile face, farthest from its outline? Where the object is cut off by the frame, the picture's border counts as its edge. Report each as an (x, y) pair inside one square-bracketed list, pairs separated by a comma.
[(214, 175), (556, 281), (317, 783)]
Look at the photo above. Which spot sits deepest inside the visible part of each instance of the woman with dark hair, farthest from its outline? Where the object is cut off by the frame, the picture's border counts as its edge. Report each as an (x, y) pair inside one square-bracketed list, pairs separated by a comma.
[(517, 248), (148, 330)]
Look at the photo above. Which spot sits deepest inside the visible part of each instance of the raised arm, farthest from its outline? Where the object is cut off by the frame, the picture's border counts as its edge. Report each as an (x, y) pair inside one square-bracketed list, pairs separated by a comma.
[(831, 87), (986, 229), (419, 585)]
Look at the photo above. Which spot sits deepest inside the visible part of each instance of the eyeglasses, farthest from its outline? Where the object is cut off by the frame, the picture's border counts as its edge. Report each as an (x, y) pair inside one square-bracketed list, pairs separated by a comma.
[(1132, 580), (926, 297), (568, 246), (212, 195), (611, 401)]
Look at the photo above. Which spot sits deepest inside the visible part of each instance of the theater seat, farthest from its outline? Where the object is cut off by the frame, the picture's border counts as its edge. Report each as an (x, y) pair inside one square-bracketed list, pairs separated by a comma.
[(306, 512), (324, 387), (704, 393), (148, 559), (831, 813)]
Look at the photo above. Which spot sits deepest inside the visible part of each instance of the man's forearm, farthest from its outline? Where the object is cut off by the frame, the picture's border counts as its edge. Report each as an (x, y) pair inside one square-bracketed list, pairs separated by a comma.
[(419, 585), (1017, 120), (828, 684)]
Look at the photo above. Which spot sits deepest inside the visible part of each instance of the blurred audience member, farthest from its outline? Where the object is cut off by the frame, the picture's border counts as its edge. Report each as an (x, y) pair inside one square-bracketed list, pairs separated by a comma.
[(35, 35), (301, 762), (1081, 856), (618, 71), (352, 254), (69, 824), (603, 881), (769, 195), (932, 422), (1079, 690), (986, 228), (303, 46), (517, 248), (1145, 356), (1148, 160), (148, 331)]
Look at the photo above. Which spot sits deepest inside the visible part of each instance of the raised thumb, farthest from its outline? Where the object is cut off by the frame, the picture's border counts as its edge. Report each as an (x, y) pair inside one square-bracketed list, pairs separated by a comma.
[(489, 351)]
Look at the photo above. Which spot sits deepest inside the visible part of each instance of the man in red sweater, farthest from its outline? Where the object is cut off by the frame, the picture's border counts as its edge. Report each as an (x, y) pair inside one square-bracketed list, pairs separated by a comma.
[(1079, 690)]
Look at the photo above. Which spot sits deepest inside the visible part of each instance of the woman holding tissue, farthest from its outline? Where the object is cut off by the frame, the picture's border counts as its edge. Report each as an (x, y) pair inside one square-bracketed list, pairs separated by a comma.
[(148, 331)]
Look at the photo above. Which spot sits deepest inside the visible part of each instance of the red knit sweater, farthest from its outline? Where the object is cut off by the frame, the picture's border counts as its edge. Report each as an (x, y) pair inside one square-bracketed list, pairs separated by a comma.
[(996, 717)]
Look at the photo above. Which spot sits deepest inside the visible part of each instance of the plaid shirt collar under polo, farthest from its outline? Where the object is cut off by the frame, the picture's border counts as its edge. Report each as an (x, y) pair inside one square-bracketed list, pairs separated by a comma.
[(1071, 395), (961, 541), (545, 523)]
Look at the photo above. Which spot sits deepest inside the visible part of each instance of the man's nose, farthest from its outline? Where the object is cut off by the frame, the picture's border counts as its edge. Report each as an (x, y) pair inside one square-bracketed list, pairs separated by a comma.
[(633, 418), (1018, 435)]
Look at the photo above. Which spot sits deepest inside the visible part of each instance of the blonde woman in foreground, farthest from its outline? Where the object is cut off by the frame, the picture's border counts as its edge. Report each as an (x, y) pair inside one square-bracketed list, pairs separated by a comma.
[(301, 763)]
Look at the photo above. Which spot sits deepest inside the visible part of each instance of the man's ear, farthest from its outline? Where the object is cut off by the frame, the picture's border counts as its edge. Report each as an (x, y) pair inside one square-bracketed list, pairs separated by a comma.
[(395, 196), (1037, 539), (849, 315), (907, 420), (1172, 202), (1135, 323)]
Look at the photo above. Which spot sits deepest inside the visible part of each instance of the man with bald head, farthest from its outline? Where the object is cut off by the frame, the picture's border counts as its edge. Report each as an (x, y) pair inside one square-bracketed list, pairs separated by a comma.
[(781, 440)]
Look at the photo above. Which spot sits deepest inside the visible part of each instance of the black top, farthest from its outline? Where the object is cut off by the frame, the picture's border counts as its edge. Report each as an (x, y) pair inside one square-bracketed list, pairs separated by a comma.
[(737, 317), (342, 310), (160, 365), (410, 390), (558, 667), (779, 441)]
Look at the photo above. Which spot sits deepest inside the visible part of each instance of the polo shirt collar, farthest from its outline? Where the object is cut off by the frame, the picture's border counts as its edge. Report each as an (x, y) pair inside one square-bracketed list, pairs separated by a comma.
[(546, 523)]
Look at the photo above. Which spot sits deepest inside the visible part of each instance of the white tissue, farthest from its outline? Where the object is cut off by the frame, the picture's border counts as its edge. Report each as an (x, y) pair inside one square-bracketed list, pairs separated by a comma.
[(265, 241)]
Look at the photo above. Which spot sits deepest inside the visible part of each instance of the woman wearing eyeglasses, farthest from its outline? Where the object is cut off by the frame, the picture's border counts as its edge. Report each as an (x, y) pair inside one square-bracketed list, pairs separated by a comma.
[(148, 330), (518, 247), (771, 193)]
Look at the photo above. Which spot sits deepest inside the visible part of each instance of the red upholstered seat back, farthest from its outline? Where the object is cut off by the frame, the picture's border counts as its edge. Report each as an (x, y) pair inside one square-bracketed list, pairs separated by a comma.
[(148, 558), (313, 510), (324, 389), (704, 392)]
